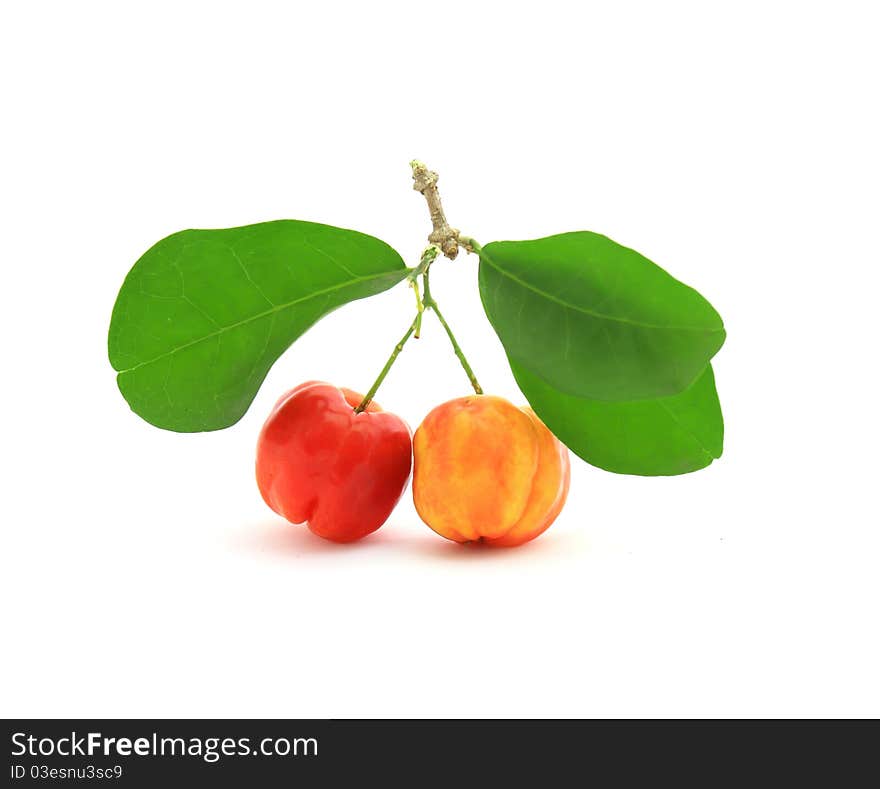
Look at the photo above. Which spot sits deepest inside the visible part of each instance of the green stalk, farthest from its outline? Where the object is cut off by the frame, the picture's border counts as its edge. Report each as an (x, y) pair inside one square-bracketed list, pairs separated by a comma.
[(368, 397), (429, 303), (424, 302)]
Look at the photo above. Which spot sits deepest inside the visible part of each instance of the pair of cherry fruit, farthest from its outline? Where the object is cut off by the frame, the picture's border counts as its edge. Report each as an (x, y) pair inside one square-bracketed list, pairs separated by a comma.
[(483, 469)]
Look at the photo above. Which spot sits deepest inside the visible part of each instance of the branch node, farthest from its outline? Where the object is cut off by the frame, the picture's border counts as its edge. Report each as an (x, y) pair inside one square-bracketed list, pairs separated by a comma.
[(443, 235)]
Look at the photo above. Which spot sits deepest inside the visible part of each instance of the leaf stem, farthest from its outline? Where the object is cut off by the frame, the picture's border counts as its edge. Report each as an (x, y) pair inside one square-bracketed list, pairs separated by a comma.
[(368, 397), (469, 244), (431, 304)]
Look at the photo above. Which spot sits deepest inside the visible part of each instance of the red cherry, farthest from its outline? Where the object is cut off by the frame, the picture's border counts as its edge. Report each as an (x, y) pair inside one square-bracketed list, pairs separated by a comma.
[(320, 463)]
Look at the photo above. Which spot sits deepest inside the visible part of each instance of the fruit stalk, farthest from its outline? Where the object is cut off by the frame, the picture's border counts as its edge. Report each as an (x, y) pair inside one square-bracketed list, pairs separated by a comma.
[(394, 354), (430, 304)]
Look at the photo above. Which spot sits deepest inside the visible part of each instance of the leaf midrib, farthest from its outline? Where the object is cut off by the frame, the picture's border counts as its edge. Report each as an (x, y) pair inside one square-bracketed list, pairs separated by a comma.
[(274, 310), (585, 310)]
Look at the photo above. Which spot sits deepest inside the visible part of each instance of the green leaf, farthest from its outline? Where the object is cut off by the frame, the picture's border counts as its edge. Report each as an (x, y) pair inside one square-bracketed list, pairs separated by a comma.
[(204, 314), (670, 435), (595, 319)]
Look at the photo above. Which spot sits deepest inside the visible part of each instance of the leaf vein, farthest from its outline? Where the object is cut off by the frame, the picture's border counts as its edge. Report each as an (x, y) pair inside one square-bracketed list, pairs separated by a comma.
[(691, 433), (249, 277), (329, 257), (585, 310), (277, 308)]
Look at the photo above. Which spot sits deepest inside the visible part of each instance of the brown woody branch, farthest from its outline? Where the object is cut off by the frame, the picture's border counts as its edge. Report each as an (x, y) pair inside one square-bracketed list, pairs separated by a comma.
[(443, 235)]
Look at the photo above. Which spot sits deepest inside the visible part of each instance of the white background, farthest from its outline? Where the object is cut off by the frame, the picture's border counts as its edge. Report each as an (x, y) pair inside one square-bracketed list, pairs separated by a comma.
[(735, 144)]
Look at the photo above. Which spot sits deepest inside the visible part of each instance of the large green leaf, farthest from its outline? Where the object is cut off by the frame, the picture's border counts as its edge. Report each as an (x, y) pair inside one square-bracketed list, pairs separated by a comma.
[(204, 314), (670, 435), (595, 319)]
